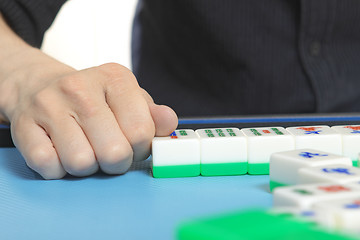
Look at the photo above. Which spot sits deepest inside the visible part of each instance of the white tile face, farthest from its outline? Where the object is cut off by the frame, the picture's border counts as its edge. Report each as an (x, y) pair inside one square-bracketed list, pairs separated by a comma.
[(305, 196), (350, 140), (284, 166), (180, 148), (321, 138), (354, 185), (262, 142), (337, 173), (343, 215), (222, 145)]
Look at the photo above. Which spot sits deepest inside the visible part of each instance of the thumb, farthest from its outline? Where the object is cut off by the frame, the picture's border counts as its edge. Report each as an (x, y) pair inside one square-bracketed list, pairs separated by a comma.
[(165, 119)]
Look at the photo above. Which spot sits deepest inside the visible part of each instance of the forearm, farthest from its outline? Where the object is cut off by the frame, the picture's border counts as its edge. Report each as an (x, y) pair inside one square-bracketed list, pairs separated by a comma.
[(21, 64), (63, 120)]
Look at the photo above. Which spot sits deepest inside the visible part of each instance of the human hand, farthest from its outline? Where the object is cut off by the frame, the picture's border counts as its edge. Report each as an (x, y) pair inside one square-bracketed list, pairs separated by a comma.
[(63, 120), (79, 121)]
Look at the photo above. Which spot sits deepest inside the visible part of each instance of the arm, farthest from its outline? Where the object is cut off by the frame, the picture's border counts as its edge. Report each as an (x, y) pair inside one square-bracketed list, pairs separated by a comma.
[(63, 120)]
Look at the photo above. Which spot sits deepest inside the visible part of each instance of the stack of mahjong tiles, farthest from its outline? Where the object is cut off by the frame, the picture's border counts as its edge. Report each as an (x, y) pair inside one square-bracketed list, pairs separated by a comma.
[(231, 151), (324, 205), (320, 186), (258, 225)]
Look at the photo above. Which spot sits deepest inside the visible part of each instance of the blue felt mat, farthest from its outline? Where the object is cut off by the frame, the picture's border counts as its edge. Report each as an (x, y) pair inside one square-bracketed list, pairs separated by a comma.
[(132, 206)]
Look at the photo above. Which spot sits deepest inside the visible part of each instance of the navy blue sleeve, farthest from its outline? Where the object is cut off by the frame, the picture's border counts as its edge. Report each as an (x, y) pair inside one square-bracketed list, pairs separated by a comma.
[(30, 18)]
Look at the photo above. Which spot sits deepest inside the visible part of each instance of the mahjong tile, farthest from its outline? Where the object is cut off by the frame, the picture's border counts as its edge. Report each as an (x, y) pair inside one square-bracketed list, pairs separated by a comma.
[(337, 173), (177, 155), (305, 196), (262, 142), (350, 141), (284, 166), (223, 151), (321, 138), (339, 215)]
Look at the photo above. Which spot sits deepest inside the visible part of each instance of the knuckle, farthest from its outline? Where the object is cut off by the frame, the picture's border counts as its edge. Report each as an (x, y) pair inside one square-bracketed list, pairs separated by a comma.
[(42, 101), (45, 162), (141, 134), (74, 88), (88, 109), (81, 164), (116, 153), (117, 75), (114, 69), (40, 158), (116, 159), (77, 91)]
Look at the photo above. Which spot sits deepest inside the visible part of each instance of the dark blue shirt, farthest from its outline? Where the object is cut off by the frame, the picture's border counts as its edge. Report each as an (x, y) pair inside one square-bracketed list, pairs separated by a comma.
[(205, 57), (232, 57)]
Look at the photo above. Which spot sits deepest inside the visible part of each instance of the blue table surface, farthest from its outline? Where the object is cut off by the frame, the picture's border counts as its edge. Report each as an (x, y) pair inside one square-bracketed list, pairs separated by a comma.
[(131, 206)]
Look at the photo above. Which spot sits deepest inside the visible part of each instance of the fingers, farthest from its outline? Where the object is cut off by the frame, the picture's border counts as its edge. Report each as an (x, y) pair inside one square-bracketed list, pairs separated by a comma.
[(90, 110), (98, 117), (73, 148), (165, 119), (37, 149), (112, 150), (132, 114)]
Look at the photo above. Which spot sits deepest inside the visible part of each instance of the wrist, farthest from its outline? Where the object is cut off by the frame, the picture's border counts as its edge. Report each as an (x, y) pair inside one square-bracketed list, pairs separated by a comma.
[(22, 72), (22, 69)]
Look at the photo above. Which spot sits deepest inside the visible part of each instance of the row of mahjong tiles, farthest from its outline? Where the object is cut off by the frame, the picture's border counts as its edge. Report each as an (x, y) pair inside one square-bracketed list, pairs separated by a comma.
[(231, 151)]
